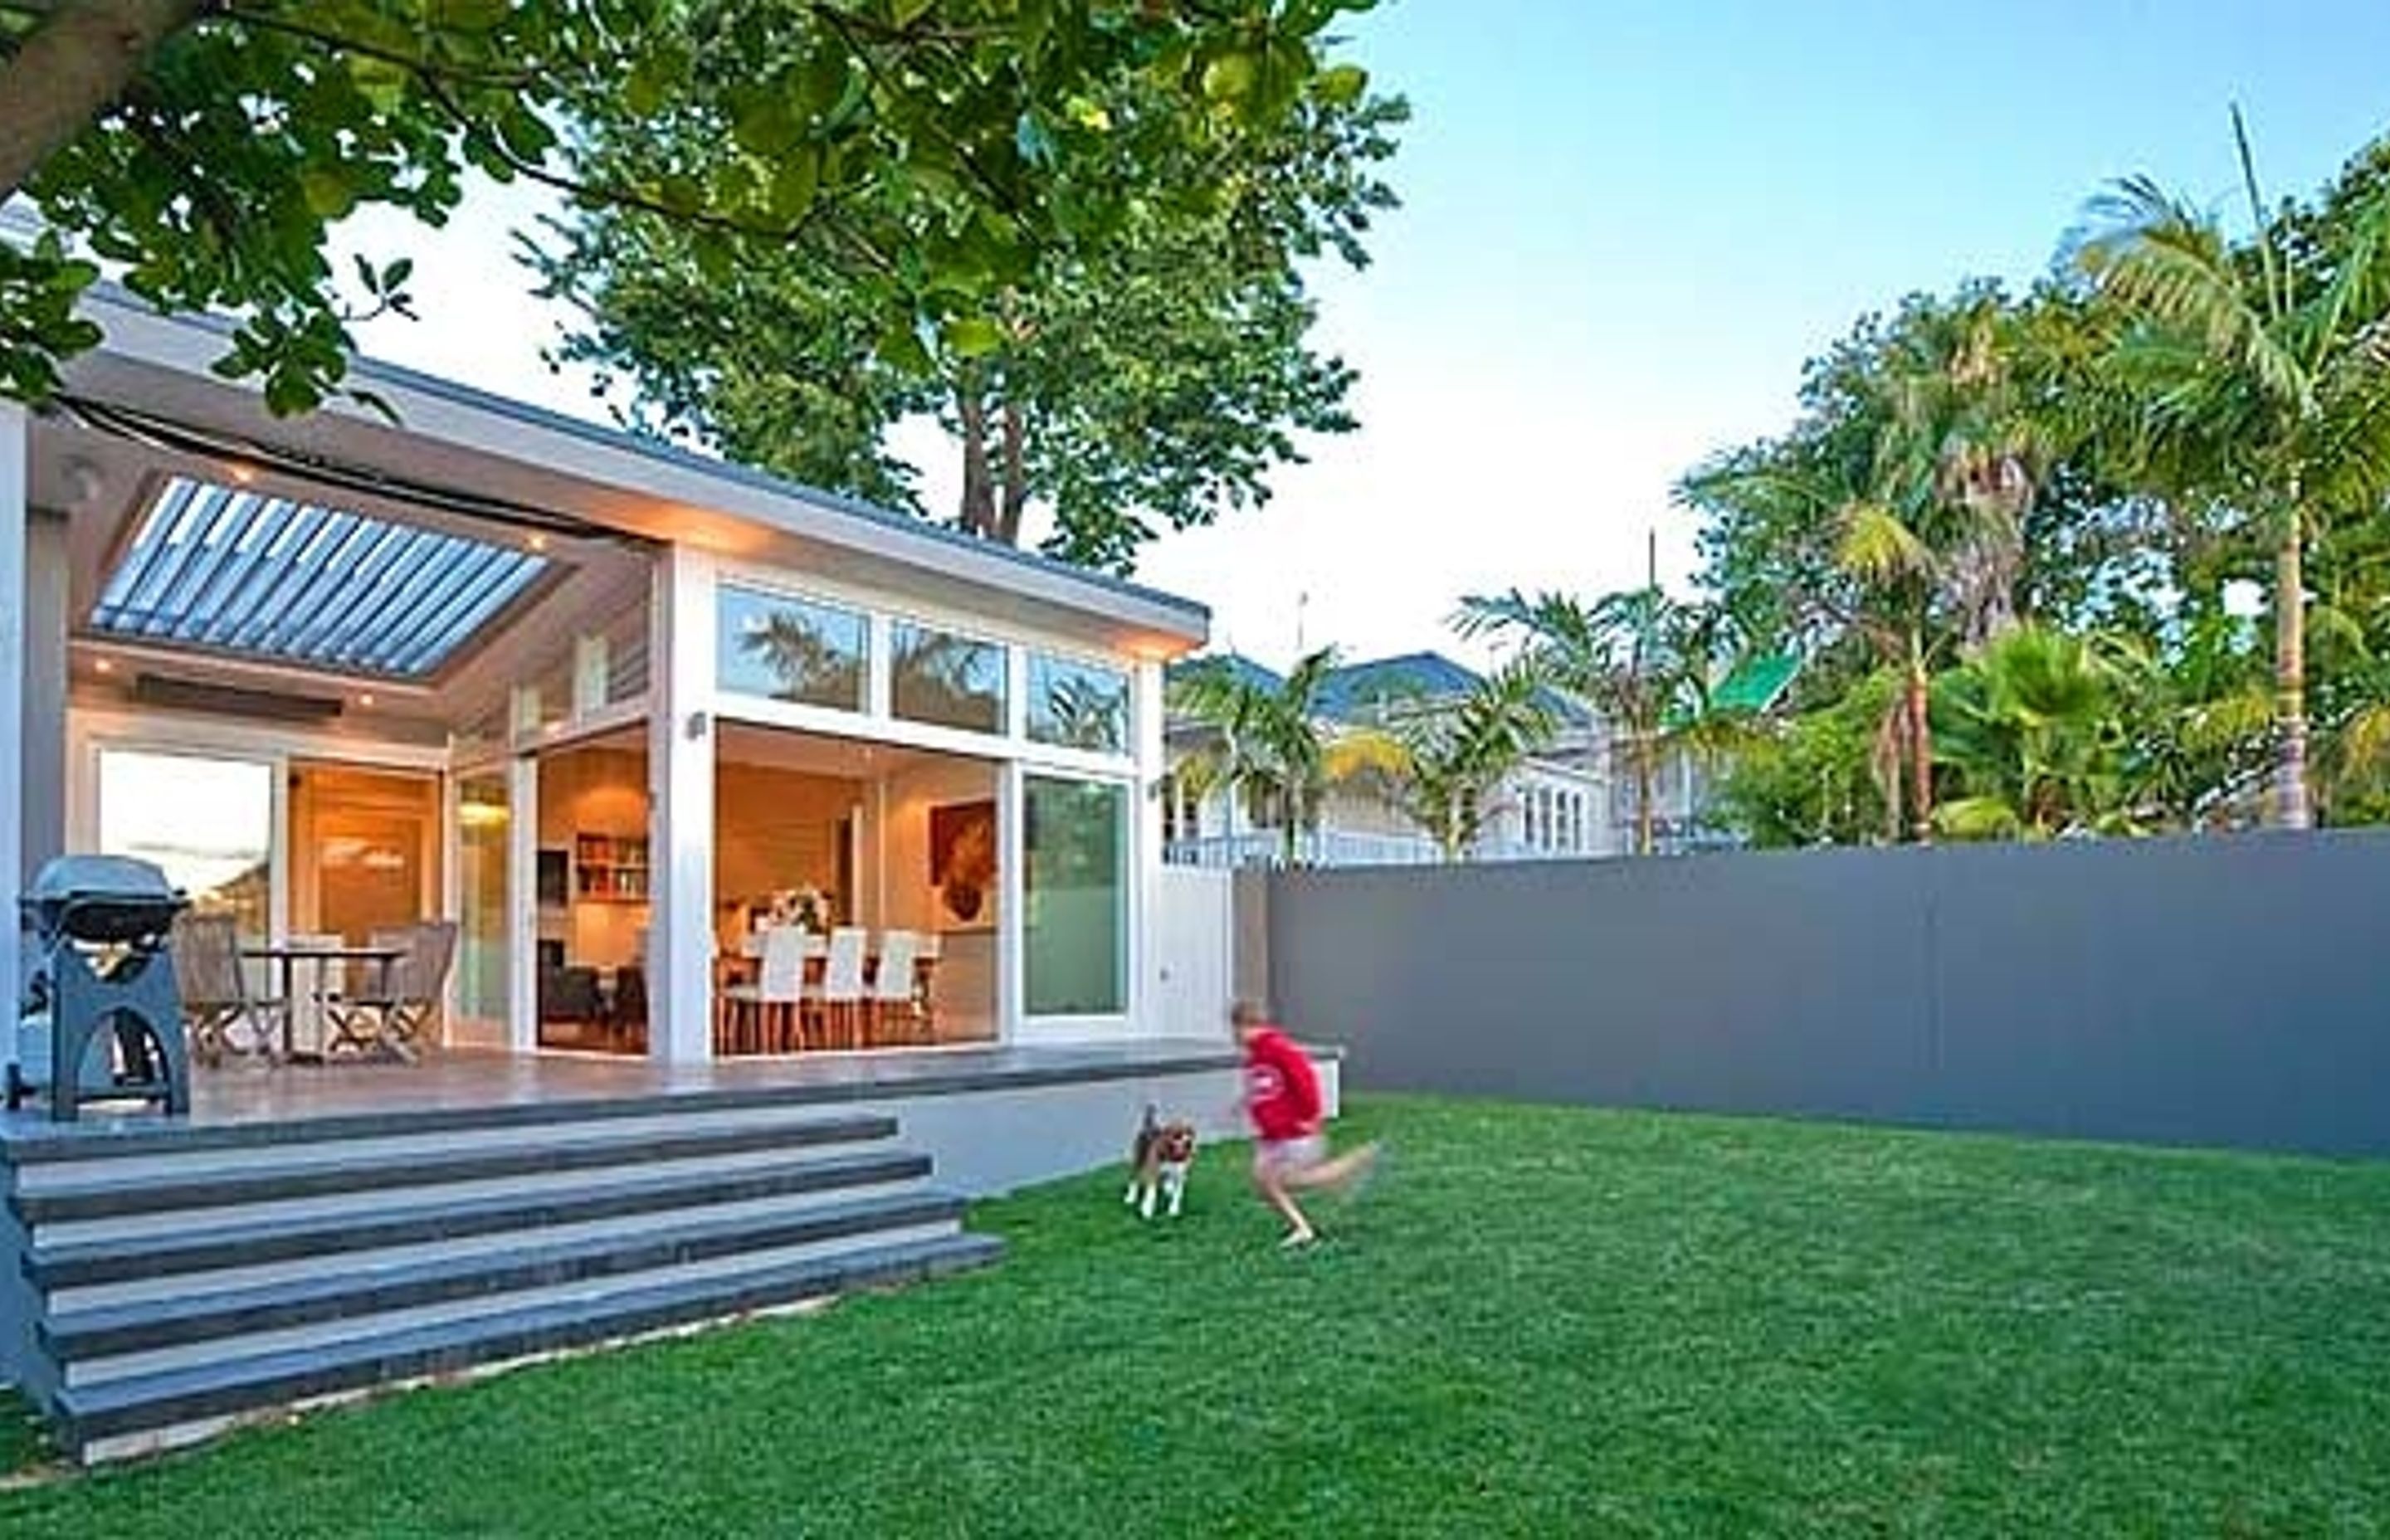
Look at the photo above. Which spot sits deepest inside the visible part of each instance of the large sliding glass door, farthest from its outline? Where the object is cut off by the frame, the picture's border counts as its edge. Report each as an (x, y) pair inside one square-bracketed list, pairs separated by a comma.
[(1075, 876), (485, 949), (208, 823)]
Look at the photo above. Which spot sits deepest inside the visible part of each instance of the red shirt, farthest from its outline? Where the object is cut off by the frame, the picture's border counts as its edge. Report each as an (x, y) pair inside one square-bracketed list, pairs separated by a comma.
[(1281, 1093)]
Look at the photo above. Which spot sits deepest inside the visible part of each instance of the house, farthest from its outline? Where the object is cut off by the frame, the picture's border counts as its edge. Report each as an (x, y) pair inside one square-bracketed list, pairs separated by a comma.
[(1686, 779), (600, 712), (1552, 806)]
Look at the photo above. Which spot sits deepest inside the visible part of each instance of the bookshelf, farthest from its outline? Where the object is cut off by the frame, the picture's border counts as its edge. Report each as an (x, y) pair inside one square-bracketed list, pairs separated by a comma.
[(609, 869)]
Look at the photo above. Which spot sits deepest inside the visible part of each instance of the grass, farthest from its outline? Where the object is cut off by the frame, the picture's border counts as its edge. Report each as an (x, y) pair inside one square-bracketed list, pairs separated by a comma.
[(1540, 1321)]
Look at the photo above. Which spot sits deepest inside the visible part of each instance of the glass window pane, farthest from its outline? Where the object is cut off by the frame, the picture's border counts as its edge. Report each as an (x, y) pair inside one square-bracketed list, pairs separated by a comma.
[(937, 676), (790, 649), (1077, 705), (207, 823), (483, 820), (1075, 876)]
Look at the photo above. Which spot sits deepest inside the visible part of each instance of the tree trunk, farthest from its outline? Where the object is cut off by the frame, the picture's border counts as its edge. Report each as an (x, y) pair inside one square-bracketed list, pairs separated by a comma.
[(68, 69), (2291, 805), (978, 511), (1015, 501), (1920, 747), (1645, 751)]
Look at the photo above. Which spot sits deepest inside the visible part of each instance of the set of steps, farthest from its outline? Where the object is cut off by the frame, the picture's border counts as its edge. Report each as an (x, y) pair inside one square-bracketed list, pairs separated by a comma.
[(180, 1286)]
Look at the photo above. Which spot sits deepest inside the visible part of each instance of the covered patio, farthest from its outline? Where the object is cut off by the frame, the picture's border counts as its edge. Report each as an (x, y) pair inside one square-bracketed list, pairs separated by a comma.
[(609, 712)]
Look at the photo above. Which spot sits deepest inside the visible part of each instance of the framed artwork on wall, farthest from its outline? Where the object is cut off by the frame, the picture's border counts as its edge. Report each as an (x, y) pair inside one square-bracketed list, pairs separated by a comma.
[(962, 864)]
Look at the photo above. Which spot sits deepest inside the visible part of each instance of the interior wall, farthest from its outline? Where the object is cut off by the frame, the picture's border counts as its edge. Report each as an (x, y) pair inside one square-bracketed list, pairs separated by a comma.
[(775, 829), (909, 898), (963, 986), (329, 802), (593, 791)]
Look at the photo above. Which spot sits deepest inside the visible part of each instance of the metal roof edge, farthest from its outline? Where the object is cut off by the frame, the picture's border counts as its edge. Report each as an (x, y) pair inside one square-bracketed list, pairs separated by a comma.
[(469, 397)]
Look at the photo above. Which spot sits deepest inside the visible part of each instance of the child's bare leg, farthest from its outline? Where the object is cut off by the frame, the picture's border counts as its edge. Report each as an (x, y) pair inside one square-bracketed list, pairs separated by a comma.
[(1332, 1173), (1269, 1181)]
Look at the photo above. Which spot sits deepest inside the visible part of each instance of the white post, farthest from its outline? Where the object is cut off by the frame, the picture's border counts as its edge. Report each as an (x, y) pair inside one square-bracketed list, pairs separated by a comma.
[(14, 467), (1146, 965), (522, 903), (1011, 909), (680, 780)]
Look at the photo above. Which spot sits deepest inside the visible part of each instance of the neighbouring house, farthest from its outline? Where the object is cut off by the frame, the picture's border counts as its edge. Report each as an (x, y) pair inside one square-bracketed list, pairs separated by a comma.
[(1685, 780), (1553, 805), (581, 738)]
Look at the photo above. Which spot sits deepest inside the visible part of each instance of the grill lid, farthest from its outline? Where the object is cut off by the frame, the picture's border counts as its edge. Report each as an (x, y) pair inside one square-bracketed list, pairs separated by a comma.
[(123, 877)]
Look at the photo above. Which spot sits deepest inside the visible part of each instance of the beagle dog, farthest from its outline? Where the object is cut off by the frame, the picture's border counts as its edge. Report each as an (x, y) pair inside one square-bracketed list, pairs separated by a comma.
[(1158, 1162)]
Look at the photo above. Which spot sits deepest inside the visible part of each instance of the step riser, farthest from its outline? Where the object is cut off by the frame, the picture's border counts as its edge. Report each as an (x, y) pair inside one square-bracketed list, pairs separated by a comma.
[(594, 1293), (317, 1266), (100, 1416), (396, 1151), (533, 1261), (372, 1204), (197, 1251), (339, 1172)]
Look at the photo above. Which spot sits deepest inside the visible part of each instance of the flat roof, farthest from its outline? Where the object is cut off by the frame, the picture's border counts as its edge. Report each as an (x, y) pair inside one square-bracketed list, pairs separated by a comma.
[(157, 363)]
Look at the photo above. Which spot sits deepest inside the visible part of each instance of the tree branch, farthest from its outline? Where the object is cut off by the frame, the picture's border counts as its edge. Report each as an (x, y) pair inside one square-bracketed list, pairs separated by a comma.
[(69, 68)]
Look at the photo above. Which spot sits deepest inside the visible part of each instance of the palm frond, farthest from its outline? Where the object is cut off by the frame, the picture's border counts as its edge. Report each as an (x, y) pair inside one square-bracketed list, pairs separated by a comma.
[(1877, 543)]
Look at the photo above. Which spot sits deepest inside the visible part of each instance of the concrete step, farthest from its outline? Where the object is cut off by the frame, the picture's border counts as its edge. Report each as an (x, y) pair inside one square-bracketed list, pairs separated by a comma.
[(72, 1337), (142, 1412), (703, 1170), (204, 1245), (591, 1291), (203, 1161), (343, 1170), (309, 1270)]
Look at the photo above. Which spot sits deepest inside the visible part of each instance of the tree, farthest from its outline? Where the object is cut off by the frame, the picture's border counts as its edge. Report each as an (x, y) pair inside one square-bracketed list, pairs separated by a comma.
[(1269, 746), (1152, 373), (2033, 725), (933, 149), (1903, 503), (2265, 383), (1453, 756), (1638, 659)]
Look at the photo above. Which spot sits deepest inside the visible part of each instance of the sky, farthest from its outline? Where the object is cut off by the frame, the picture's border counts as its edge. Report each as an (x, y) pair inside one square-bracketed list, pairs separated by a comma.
[(1626, 225)]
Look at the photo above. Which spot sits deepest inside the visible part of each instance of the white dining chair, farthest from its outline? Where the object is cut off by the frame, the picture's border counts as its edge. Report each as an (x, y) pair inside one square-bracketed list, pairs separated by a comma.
[(764, 1015), (895, 992), (840, 1001)]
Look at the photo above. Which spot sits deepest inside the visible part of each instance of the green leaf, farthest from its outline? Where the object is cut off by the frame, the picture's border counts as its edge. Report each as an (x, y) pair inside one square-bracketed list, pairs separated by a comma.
[(794, 185), (900, 348), (905, 12), (765, 121), (1342, 85), (1230, 77), (973, 336), (326, 191)]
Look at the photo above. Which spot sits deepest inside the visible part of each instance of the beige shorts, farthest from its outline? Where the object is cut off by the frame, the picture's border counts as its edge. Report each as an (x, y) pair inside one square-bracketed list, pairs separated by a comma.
[(1291, 1154)]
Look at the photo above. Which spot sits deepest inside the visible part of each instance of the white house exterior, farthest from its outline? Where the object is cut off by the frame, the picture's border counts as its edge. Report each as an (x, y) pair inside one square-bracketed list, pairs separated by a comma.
[(496, 666), (1556, 805)]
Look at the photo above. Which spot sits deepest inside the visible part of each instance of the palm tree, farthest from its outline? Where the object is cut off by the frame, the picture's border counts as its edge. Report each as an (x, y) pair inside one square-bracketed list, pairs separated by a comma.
[(1917, 506), (1270, 747), (2033, 726), (1635, 658), (2264, 382), (1455, 755)]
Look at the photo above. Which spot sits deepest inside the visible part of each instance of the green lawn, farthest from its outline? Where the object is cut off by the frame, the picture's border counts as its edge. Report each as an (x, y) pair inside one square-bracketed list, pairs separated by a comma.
[(1539, 1322)]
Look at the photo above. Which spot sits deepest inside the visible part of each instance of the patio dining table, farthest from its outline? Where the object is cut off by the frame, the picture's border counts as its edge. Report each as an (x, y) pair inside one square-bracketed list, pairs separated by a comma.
[(286, 957)]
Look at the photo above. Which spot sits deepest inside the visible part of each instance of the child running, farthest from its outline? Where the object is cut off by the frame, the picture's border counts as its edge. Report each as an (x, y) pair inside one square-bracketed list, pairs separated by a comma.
[(1283, 1099)]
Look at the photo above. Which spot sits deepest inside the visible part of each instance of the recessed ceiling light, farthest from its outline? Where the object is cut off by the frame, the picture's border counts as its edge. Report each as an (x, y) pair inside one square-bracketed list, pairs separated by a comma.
[(106, 665), (538, 542), (241, 473), (365, 700)]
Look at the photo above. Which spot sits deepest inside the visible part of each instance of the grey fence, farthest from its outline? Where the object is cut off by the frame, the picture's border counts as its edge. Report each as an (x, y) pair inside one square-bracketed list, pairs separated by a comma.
[(2225, 992)]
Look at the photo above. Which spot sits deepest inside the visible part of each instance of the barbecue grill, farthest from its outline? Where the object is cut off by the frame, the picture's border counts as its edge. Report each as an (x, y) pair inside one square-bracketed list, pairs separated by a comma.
[(102, 1019)]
